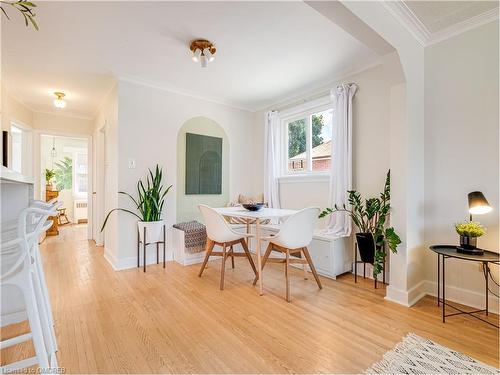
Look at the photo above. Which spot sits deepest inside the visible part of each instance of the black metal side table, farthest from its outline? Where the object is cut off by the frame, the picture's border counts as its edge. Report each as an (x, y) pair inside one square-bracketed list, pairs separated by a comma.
[(145, 243), (448, 251)]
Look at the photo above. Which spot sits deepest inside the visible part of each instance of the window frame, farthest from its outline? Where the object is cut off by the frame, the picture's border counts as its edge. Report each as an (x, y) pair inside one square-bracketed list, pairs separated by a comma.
[(304, 111), (77, 194), (26, 147)]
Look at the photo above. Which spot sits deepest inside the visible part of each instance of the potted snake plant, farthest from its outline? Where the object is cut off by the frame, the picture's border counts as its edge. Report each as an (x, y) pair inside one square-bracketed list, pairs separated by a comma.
[(370, 217), (149, 206)]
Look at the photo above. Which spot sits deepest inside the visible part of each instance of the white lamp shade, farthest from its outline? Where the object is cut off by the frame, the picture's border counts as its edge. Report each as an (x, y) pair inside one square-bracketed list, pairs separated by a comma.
[(204, 61), (59, 103), (208, 54), (196, 55)]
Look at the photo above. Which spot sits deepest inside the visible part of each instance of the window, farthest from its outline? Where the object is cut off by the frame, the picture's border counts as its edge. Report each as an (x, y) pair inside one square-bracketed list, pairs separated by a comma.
[(80, 174), (16, 161), (21, 146), (309, 136)]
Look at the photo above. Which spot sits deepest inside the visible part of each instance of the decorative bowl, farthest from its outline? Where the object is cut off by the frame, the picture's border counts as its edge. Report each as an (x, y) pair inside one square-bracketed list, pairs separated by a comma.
[(253, 206)]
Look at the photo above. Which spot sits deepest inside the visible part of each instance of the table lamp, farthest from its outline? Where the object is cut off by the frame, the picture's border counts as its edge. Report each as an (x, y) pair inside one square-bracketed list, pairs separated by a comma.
[(478, 204)]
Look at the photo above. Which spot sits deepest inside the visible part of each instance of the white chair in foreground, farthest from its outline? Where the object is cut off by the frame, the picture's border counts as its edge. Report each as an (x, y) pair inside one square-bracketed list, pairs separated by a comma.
[(20, 269), (220, 233), (293, 238)]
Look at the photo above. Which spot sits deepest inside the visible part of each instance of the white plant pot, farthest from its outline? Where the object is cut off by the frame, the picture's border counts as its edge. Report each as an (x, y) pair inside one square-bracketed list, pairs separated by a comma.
[(154, 230)]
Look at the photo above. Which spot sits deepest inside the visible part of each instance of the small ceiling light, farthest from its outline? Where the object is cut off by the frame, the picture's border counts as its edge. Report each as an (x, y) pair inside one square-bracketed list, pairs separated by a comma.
[(203, 51), (59, 102), (204, 61), (209, 55), (196, 55)]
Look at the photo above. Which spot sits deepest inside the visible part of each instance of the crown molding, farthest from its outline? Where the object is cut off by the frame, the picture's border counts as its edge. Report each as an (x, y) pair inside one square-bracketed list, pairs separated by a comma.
[(404, 15)]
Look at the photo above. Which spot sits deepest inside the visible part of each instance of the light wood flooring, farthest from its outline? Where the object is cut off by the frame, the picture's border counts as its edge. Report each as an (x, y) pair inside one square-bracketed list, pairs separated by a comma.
[(170, 320)]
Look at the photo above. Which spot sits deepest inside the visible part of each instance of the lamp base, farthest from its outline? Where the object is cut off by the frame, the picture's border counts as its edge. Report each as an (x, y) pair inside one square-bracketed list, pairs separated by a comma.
[(464, 250)]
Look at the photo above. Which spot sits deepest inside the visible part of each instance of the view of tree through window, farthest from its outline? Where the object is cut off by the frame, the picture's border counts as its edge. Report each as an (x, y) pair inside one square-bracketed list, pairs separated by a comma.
[(320, 132)]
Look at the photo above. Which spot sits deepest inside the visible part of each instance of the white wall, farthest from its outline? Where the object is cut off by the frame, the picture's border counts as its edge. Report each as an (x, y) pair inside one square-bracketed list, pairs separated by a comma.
[(13, 110), (461, 146), (371, 126), (105, 181), (148, 123)]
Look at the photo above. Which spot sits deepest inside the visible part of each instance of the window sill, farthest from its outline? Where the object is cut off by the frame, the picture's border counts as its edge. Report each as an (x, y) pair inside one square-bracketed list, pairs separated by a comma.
[(305, 178)]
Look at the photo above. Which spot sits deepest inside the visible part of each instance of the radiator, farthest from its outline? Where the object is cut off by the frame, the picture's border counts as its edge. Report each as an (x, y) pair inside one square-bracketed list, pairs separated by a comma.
[(80, 211)]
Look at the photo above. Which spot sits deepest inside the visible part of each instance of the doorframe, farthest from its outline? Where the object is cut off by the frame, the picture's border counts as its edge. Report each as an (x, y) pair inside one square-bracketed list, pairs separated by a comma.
[(37, 167), (99, 188)]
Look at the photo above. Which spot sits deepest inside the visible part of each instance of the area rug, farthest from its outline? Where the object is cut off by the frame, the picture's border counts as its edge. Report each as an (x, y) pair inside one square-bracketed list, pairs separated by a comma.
[(416, 355)]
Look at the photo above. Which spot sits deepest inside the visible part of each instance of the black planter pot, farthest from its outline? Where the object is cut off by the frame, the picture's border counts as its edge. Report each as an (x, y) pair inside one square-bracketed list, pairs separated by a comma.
[(366, 247), (469, 243)]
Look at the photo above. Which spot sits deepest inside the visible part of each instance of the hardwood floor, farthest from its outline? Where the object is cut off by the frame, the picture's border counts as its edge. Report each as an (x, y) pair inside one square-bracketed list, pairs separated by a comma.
[(170, 320)]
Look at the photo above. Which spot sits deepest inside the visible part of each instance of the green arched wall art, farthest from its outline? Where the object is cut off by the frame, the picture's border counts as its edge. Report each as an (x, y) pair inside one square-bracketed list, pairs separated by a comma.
[(202, 167)]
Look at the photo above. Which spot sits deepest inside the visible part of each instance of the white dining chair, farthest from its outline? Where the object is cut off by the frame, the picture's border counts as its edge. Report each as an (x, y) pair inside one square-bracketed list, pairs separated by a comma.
[(293, 238), (220, 233), (19, 270)]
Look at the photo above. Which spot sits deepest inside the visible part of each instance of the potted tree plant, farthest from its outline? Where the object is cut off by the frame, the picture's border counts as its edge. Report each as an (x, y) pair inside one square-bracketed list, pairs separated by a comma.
[(149, 205), (370, 217), (49, 175)]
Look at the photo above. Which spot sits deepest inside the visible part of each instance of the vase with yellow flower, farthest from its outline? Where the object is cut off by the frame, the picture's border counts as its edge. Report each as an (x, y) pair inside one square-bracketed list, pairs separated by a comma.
[(469, 231)]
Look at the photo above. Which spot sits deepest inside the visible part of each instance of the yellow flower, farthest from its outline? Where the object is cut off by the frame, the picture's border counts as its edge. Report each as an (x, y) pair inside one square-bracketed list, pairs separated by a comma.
[(470, 229)]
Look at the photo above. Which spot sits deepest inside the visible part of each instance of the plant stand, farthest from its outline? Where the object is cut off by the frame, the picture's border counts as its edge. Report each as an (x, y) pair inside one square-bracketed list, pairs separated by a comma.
[(145, 244), (356, 262)]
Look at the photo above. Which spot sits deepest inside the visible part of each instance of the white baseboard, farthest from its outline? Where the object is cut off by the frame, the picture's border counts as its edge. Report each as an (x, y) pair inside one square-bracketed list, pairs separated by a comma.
[(406, 298), (119, 264), (464, 296), (454, 294)]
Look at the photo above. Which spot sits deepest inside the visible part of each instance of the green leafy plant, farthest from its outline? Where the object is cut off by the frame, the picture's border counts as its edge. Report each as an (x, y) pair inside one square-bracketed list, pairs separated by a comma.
[(470, 229), (370, 216), (151, 198), (64, 174), (49, 175), (22, 6)]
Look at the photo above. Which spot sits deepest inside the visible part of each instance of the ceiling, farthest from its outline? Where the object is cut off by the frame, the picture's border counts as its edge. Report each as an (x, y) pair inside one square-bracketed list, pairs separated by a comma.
[(265, 51)]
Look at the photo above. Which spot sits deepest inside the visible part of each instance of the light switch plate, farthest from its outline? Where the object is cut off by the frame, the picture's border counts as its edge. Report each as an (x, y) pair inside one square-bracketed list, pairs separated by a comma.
[(131, 163)]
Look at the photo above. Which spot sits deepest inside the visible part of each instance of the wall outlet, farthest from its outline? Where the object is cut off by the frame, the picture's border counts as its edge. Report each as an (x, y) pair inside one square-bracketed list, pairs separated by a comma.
[(131, 163)]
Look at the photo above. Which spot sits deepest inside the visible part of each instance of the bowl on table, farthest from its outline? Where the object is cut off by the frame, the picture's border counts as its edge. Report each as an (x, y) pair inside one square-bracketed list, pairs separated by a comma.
[(253, 206)]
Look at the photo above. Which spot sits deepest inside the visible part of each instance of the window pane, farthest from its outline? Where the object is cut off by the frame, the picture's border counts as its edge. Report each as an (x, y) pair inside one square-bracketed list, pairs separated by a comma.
[(17, 149), (297, 156), (321, 140)]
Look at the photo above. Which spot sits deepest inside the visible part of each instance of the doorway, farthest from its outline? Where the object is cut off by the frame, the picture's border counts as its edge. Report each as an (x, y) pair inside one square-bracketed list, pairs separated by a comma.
[(65, 174)]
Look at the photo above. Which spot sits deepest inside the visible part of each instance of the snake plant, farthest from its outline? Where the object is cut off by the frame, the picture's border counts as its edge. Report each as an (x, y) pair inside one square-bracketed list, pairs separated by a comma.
[(151, 197)]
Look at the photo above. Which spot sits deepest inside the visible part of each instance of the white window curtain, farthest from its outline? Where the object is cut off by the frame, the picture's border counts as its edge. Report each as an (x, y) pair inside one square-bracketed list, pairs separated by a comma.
[(339, 223), (272, 159)]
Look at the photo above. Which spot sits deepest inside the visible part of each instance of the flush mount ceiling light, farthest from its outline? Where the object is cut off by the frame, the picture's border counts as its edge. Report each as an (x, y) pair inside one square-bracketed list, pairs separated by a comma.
[(59, 102), (203, 51)]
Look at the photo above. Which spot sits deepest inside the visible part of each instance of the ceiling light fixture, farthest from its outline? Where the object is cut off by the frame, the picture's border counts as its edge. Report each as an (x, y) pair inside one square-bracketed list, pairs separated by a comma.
[(203, 51), (59, 102)]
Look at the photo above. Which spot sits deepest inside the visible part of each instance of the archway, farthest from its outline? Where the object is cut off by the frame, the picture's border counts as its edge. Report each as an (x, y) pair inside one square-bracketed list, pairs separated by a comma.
[(202, 167)]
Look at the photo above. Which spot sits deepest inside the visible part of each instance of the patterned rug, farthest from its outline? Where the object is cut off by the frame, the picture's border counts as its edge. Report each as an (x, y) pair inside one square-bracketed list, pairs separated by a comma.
[(416, 355)]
